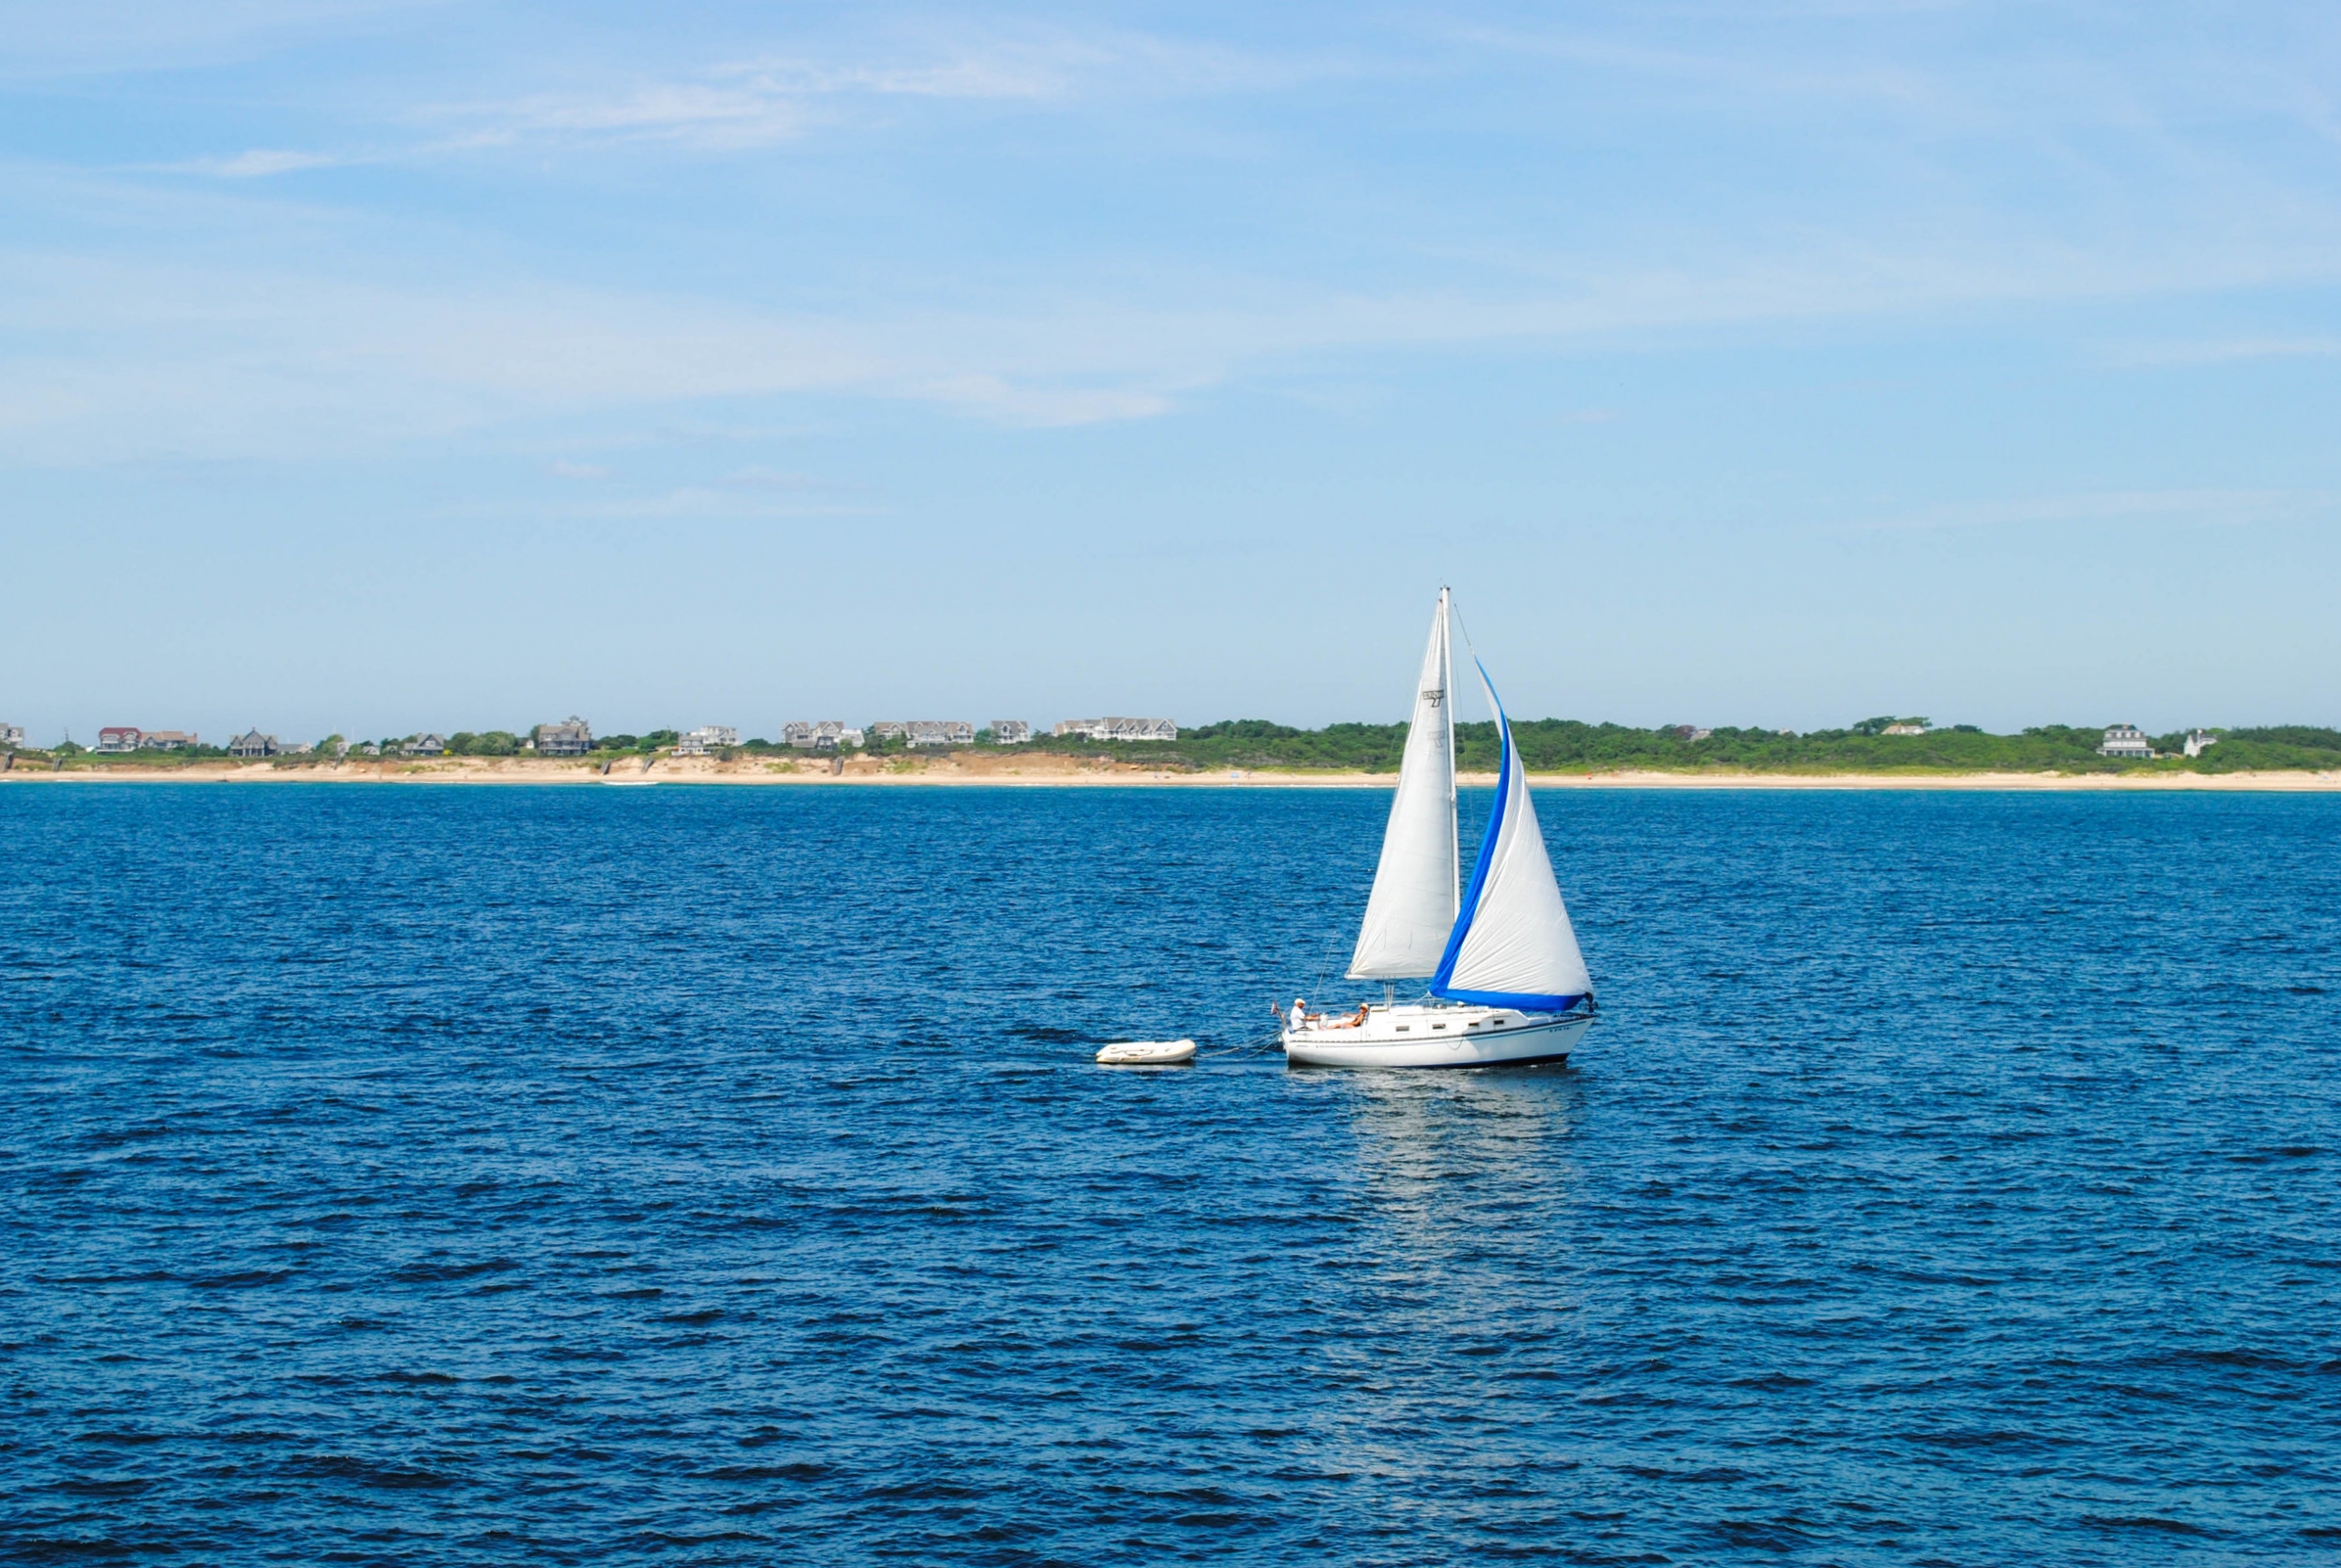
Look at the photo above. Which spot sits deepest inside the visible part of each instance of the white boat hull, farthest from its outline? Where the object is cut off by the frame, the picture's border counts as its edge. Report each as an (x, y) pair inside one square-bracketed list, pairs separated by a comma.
[(1434, 1035)]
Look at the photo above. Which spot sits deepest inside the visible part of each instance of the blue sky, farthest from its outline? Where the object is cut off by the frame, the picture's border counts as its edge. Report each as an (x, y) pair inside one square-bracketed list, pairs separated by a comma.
[(382, 366)]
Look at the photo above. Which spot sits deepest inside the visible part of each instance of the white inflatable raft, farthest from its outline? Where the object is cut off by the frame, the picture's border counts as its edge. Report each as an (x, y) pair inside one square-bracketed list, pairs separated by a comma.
[(1147, 1052)]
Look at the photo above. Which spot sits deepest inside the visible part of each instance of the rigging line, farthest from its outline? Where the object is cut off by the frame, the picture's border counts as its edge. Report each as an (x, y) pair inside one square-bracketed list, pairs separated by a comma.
[(1456, 616), (1487, 688)]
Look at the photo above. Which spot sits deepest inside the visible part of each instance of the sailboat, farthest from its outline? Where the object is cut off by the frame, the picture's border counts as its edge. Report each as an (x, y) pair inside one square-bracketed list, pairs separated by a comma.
[(1507, 981)]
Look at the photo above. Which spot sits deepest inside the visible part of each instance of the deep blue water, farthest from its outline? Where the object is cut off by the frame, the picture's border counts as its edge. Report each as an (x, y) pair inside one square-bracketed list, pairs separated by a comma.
[(706, 1176)]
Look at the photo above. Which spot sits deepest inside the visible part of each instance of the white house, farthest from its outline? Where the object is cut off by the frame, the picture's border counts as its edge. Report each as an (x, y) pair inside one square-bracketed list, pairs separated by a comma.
[(12, 734), (1119, 729), (707, 738), (118, 738), (2199, 741), (940, 732), (1903, 729), (1010, 732), (2126, 740)]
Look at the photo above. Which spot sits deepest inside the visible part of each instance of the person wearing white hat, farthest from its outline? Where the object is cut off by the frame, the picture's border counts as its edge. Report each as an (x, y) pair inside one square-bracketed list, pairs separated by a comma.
[(1299, 1017)]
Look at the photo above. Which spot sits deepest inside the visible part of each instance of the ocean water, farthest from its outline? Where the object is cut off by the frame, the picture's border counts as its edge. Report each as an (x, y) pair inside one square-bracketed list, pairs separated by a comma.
[(703, 1175)]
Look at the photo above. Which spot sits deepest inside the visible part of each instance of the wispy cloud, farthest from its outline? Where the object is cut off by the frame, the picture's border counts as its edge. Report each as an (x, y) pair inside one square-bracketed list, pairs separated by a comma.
[(2201, 506), (2220, 350), (178, 361), (752, 102), (706, 113), (769, 97), (1012, 403), (687, 501), (258, 164)]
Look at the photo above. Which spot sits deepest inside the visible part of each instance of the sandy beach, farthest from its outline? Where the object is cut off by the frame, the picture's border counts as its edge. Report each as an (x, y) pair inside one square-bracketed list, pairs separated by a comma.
[(1056, 771)]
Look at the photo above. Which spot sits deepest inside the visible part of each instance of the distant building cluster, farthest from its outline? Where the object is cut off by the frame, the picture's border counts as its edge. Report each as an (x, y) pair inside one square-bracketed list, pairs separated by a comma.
[(825, 735), (926, 731), (574, 737), (118, 738), (1119, 729)]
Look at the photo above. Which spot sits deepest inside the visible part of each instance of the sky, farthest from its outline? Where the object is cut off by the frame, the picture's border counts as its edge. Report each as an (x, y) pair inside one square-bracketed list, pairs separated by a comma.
[(386, 366)]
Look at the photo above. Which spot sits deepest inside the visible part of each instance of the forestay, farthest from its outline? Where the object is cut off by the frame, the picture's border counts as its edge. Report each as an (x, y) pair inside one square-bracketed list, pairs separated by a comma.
[(1512, 944), (1412, 907)]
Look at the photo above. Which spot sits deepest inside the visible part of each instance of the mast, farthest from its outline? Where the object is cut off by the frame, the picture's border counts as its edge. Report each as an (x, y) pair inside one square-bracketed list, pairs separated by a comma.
[(1455, 826)]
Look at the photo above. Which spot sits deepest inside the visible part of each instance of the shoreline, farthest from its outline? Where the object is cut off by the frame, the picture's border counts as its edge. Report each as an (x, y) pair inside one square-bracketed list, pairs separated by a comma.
[(1026, 772)]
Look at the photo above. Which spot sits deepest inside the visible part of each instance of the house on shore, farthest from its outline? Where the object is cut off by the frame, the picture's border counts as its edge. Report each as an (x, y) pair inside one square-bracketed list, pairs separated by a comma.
[(571, 738), (2199, 741), (940, 732), (168, 740), (1119, 729), (2127, 740), (118, 738), (887, 730), (253, 743), (1010, 732), (425, 745), (708, 738), (827, 735), (12, 736)]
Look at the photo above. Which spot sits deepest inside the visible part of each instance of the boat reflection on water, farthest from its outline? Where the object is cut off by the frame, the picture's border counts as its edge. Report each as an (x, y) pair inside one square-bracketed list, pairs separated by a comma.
[(1495, 1134), (1460, 1308)]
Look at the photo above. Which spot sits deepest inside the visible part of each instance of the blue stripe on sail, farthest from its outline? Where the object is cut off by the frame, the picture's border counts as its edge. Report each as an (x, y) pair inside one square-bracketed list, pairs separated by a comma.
[(1513, 998), (1479, 872)]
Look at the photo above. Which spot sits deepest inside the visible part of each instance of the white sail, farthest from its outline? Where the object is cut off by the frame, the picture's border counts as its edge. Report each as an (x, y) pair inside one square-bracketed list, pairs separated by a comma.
[(1412, 907), (1513, 946)]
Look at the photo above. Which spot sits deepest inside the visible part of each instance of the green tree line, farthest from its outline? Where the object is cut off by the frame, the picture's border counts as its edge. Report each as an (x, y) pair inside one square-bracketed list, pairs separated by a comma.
[(1566, 745)]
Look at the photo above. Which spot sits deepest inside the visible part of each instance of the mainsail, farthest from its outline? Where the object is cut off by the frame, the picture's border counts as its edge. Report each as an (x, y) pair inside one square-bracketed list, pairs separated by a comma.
[(1413, 903), (1512, 945)]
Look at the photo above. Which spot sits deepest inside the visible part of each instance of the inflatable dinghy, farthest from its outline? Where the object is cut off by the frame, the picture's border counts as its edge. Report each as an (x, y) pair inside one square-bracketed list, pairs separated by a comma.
[(1147, 1052)]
